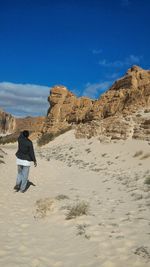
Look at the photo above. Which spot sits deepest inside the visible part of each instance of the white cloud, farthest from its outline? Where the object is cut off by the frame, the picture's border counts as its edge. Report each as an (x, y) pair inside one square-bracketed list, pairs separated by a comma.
[(24, 99), (95, 89), (130, 60)]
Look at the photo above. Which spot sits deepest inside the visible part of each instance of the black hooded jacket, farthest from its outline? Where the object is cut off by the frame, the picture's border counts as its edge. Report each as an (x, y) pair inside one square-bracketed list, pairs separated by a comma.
[(25, 149)]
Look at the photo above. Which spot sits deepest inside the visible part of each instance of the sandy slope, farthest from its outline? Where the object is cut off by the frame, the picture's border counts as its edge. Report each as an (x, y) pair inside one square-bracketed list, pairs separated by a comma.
[(107, 177)]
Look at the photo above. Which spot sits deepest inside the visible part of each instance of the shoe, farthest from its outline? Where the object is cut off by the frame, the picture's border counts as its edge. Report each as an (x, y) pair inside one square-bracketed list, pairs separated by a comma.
[(17, 188)]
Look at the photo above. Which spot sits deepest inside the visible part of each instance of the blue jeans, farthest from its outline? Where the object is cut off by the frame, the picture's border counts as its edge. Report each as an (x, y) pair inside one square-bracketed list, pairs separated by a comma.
[(22, 177)]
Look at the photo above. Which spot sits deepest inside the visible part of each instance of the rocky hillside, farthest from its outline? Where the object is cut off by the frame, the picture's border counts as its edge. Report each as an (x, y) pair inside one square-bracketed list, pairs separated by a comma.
[(33, 124), (121, 112), (11, 126)]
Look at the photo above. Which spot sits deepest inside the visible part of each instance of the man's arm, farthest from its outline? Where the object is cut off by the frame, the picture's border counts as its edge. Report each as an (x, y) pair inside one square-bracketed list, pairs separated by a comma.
[(32, 154)]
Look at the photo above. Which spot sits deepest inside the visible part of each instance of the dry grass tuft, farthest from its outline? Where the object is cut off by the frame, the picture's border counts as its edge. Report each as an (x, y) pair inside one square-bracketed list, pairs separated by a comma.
[(43, 206), (79, 209)]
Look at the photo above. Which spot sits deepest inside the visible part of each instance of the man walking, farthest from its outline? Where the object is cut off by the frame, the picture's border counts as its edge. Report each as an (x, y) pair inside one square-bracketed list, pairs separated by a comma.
[(25, 155)]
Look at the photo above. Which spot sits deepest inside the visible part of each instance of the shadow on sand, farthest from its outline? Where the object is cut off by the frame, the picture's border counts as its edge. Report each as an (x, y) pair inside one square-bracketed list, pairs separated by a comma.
[(17, 187), (29, 183)]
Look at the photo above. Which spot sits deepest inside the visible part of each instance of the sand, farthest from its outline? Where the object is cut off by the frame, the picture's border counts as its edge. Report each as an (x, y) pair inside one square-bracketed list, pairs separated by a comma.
[(39, 228)]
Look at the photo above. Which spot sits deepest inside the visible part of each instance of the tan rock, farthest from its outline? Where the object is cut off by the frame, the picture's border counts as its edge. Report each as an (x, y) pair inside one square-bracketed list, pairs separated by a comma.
[(7, 122), (109, 115)]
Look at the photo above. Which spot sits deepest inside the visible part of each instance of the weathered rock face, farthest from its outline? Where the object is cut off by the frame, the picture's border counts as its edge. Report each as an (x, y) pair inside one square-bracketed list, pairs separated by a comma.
[(65, 109), (33, 124), (7, 122), (10, 127), (110, 115), (10, 124), (136, 126)]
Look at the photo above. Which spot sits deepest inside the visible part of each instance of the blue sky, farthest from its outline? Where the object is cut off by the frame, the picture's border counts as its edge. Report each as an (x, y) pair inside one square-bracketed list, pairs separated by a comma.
[(84, 45)]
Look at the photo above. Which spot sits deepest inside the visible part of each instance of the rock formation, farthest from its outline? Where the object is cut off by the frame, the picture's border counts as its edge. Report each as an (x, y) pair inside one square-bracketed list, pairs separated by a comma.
[(10, 126), (7, 122), (65, 109), (33, 124), (119, 113)]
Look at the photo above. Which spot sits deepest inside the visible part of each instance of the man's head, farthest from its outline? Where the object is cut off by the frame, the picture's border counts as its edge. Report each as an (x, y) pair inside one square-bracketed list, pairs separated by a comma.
[(25, 133)]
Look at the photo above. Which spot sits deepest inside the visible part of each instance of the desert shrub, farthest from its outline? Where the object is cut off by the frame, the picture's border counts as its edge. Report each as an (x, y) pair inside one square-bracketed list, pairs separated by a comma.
[(43, 206), (10, 138), (1, 161), (147, 180), (138, 153), (79, 209)]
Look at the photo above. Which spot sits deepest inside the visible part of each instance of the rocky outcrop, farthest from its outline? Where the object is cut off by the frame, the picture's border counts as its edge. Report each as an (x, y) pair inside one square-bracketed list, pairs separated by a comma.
[(110, 115), (33, 124), (65, 110), (10, 124), (120, 113), (7, 122), (136, 126), (10, 127)]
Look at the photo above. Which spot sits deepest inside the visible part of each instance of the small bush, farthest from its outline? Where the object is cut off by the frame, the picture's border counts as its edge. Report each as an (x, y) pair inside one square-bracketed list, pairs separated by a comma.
[(79, 209), (11, 138), (43, 206), (147, 180)]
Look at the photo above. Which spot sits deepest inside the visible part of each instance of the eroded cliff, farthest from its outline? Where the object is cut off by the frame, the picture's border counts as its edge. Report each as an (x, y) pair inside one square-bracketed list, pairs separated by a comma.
[(121, 112)]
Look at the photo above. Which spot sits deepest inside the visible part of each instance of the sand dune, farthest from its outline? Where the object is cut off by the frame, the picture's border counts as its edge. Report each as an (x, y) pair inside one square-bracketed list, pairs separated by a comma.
[(89, 206)]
